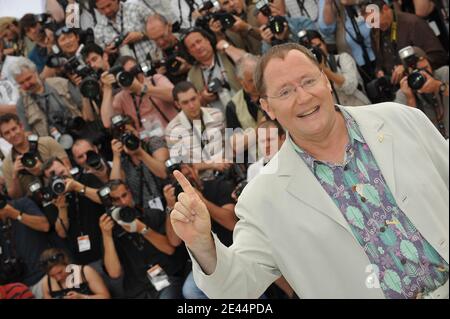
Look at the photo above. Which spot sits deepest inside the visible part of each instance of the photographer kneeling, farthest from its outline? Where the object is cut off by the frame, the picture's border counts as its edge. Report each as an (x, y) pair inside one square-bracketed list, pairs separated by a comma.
[(136, 247), (84, 281), (425, 88)]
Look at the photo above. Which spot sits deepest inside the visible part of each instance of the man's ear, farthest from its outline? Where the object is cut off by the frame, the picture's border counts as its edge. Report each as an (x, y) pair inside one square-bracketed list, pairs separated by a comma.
[(265, 106)]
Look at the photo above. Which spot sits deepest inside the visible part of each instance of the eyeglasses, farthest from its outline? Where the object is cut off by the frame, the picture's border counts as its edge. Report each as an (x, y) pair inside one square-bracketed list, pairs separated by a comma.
[(287, 92)]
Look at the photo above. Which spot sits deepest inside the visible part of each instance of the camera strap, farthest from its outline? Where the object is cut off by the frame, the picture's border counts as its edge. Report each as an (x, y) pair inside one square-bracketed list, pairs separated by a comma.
[(143, 182), (110, 23), (223, 73), (137, 107), (191, 4)]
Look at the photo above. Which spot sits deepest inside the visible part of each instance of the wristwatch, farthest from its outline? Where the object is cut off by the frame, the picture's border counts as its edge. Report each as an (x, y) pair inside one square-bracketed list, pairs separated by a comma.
[(145, 231), (443, 87), (19, 218), (83, 190)]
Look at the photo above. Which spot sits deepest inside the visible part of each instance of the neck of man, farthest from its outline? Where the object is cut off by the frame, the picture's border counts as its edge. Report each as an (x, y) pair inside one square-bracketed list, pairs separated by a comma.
[(208, 62), (328, 146), (40, 89), (23, 147)]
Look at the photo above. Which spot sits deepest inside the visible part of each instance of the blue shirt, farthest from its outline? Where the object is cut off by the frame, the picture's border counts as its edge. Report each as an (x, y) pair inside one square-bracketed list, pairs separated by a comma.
[(406, 264), (329, 30)]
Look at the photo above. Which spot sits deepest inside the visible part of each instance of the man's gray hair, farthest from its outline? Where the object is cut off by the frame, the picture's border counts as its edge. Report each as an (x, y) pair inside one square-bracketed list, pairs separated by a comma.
[(247, 63), (20, 65)]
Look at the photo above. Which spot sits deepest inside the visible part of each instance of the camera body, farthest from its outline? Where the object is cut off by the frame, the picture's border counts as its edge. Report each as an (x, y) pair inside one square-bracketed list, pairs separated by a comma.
[(94, 160), (119, 214), (215, 86), (123, 78), (306, 42), (29, 159), (416, 80), (128, 139), (276, 23), (117, 42), (172, 166)]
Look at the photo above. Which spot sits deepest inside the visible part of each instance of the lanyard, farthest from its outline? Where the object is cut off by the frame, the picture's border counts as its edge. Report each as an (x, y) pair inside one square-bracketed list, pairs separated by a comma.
[(121, 22), (143, 182), (222, 72), (138, 107)]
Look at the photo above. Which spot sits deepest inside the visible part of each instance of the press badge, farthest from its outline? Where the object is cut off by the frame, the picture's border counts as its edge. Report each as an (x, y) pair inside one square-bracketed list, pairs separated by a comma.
[(84, 244), (158, 277), (156, 203)]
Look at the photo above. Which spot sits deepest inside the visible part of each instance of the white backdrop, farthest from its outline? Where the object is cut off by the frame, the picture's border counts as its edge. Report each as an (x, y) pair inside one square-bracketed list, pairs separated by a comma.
[(17, 8)]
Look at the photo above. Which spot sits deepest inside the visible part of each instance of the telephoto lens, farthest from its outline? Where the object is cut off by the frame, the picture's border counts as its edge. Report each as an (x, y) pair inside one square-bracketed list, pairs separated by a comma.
[(90, 87), (127, 214)]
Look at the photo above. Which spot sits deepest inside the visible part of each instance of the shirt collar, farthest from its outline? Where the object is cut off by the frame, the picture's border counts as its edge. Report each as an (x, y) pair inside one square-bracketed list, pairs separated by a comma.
[(353, 132)]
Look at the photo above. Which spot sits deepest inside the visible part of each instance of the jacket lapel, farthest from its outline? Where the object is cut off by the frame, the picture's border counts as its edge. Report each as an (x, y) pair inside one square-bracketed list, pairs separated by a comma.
[(304, 186)]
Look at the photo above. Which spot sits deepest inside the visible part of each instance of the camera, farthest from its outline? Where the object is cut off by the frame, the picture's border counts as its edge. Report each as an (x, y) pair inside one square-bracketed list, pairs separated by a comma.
[(29, 159), (416, 80), (123, 78), (306, 42), (215, 86), (94, 160), (172, 166), (119, 214), (46, 21), (208, 5), (117, 42), (226, 19), (57, 185), (380, 90), (263, 6), (131, 141), (11, 270)]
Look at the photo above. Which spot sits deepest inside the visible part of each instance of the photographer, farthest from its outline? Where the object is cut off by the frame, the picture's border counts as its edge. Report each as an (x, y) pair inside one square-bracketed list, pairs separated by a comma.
[(306, 8), (147, 99), (196, 134), (277, 29), (398, 30), (46, 107), (174, 62), (138, 249), (139, 163), (213, 73), (13, 43), (244, 111), (22, 165), (432, 95), (231, 23), (121, 28), (96, 58), (78, 211), (32, 27), (339, 20), (88, 157), (341, 70), (23, 237), (85, 282)]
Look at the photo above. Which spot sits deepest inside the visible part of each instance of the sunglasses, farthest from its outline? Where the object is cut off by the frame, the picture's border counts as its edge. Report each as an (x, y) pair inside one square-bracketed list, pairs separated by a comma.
[(63, 30), (51, 260)]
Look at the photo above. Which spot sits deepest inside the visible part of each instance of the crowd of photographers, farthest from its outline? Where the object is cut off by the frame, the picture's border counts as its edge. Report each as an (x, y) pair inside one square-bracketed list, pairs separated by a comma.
[(95, 117)]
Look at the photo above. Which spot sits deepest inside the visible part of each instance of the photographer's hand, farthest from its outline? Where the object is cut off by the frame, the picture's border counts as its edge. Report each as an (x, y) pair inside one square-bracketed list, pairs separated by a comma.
[(240, 25), (185, 66), (169, 195), (266, 34), (106, 225), (431, 85), (107, 79), (207, 97), (133, 37), (404, 87), (397, 74), (111, 49), (75, 79), (117, 148), (18, 166)]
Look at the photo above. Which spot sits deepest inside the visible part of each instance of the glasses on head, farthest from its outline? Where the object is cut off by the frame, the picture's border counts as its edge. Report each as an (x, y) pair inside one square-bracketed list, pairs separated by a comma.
[(51, 260), (62, 30), (287, 92)]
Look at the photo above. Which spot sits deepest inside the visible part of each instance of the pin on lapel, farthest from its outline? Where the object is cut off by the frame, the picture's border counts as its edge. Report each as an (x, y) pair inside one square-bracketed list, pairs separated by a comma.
[(380, 137)]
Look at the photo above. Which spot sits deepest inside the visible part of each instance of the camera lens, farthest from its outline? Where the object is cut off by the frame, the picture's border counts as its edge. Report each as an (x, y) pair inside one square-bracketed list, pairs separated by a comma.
[(127, 214), (131, 141), (29, 160), (58, 186), (90, 88), (94, 160), (125, 79), (276, 24), (416, 80)]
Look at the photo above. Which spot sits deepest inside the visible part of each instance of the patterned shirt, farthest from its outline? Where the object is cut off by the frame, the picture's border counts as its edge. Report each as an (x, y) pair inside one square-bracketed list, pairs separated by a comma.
[(134, 20), (406, 264)]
